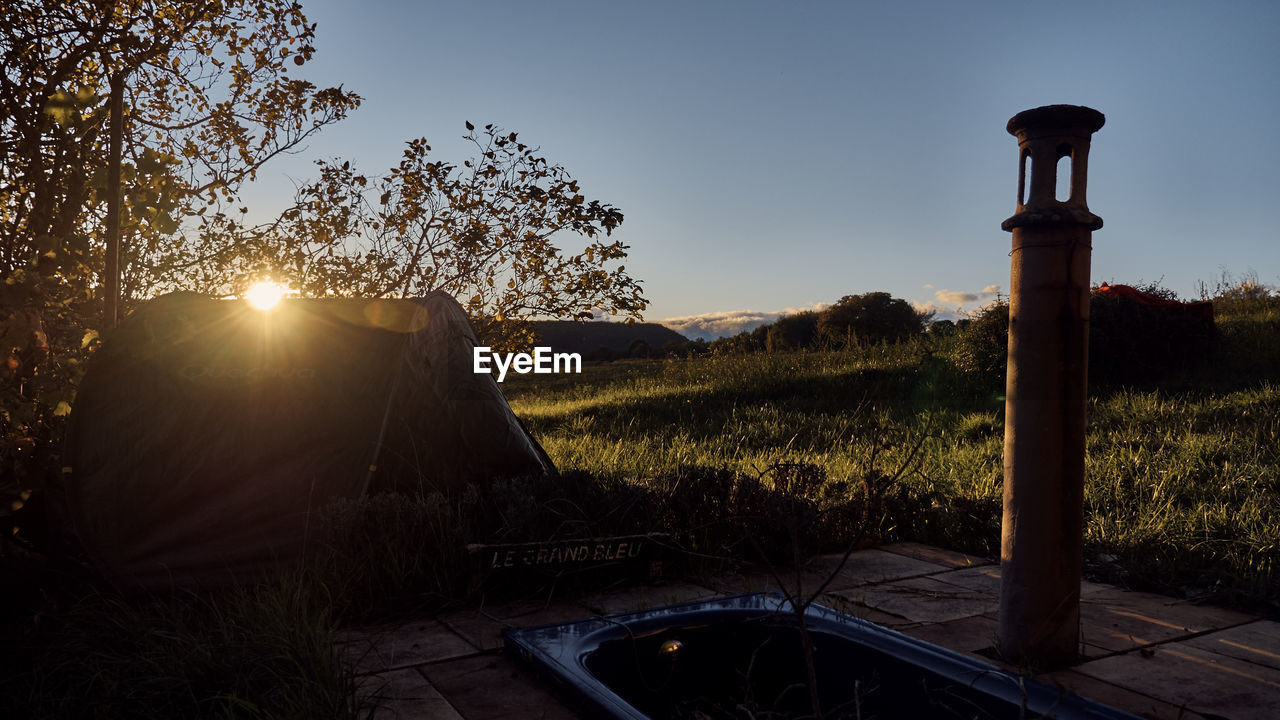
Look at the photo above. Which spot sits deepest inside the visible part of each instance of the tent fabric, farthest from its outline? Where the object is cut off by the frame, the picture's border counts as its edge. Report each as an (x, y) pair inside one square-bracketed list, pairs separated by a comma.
[(207, 434), (1202, 309)]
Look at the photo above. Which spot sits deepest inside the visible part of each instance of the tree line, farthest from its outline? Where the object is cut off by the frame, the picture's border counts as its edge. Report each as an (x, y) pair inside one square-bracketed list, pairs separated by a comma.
[(855, 320)]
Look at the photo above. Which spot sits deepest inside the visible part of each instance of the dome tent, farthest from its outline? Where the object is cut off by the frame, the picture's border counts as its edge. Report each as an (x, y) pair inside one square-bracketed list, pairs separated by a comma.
[(206, 435)]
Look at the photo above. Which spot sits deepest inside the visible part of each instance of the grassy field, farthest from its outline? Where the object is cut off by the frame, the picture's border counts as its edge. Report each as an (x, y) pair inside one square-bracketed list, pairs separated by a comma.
[(1183, 482)]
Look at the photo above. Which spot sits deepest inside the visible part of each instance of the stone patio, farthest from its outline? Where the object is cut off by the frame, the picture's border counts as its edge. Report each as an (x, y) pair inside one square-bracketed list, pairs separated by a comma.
[(1154, 656)]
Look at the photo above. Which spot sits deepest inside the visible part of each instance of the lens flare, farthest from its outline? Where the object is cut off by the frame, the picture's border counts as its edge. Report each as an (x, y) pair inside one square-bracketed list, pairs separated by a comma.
[(266, 295)]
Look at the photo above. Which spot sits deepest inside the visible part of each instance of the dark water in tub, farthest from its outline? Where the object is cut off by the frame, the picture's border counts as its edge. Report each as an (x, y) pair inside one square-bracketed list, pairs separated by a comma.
[(741, 657), (756, 669)]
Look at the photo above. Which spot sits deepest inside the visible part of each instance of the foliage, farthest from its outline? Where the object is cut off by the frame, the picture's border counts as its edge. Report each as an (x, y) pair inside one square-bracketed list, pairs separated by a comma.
[(983, 348), (1129, 343), (872, 317), (1135, 344), (639, 349), (1243, 296), (746, 341), (383, 554), (942, 328), (869, 318), (486, 231), (259, 653), (792, 332), (393, 554), (686, 348), (207, 100)]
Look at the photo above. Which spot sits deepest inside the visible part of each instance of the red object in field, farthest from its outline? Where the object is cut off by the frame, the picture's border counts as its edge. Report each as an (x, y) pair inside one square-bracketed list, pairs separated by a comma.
[(1202, 309)]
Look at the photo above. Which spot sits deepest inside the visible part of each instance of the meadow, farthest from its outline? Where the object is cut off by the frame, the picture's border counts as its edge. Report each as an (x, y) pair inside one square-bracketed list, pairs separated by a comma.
[(1182, 491)]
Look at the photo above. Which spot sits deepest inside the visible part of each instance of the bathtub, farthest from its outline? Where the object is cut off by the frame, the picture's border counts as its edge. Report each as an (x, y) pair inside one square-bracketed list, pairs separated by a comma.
[(742, 656)]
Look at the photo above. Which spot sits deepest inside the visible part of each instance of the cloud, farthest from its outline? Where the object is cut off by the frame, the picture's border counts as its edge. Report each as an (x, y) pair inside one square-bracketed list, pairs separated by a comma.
[(950, 304), (940, 312), (955, 297), (960, 298), (710, 326)]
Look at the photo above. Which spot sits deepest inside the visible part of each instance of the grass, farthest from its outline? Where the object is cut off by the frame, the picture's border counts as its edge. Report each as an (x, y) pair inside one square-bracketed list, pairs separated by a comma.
[(264, 652), (1182, 490), (641, 418)]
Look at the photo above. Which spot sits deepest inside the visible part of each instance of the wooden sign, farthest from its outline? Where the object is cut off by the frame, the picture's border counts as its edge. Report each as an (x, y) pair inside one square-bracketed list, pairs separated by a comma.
[(561, 555)]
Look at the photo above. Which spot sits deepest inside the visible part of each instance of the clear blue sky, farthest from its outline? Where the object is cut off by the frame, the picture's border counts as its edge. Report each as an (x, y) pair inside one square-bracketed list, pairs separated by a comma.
[(774, 155)]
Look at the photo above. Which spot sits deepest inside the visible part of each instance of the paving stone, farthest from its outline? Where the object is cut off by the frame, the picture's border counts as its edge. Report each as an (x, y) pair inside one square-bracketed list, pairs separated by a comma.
[(1087, 651), (987, 579), (1203, 681), (402, 695), (483, 627), (870, 566), (1119, 620), (859, 610), (1229, 669), (492, 687), (979, 579), (923, 600), (937, 556), (1258, 643), (1093, 652), (372, 650), (646, 597), (1117, 697), (1088, 589), (760, 580), (963, 635)]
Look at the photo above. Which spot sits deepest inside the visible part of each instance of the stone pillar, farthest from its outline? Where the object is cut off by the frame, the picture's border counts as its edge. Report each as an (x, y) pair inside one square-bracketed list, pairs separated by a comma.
[(1041, 542)]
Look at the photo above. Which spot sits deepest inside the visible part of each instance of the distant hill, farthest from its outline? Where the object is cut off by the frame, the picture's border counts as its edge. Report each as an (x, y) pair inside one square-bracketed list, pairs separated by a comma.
[(583, 337)]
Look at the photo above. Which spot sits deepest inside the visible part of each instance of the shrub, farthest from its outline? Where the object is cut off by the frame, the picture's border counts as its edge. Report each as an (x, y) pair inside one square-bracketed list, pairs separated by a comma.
[(382, 554), (1129, 343), (793, 332), (685, 348), (942, 328), (983, 348), (1135, 344), (744, 342), (868, 319), (1241, 295)]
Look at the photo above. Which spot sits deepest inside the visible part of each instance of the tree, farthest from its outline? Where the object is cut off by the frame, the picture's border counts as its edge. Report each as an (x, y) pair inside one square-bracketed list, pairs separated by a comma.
[(793, 332), (486, 231), (942, 328), (639, 349), (872, 317), (686, 348), (206, 101)]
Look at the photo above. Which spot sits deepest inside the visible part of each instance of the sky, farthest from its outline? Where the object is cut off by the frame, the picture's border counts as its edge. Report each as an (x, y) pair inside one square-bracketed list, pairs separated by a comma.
[(776, 156)]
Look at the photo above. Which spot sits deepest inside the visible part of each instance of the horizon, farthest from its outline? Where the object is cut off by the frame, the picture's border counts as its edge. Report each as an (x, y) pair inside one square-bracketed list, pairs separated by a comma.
[(783, 157)]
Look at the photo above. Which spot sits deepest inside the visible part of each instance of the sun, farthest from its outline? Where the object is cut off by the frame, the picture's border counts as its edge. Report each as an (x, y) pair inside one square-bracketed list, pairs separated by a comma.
[(266, 295)]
